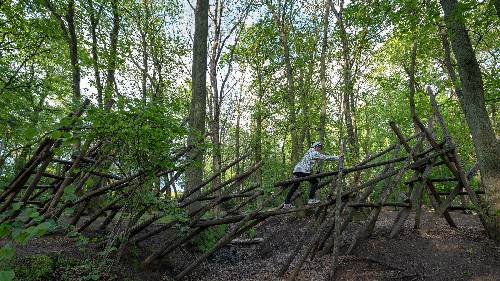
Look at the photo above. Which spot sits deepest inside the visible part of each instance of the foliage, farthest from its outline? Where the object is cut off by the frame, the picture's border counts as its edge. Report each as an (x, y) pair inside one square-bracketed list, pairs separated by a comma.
[(18, 234), (207, 239)]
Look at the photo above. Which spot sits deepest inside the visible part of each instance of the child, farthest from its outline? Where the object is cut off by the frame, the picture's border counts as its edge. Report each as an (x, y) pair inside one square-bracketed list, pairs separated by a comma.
[(303, 169)]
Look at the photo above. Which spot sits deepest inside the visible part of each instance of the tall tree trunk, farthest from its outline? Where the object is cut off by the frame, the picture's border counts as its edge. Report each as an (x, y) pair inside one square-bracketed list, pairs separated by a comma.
[(68, 28), (145, 68), (448, 65), (94, 21), (257, 140), (497, 7), (237, 145), (197, 112), (281, 21), (322, 72), (215, 124), (143, 31), (486, 146), (291, 97), (73, 50), (113, 46), (347, 83)]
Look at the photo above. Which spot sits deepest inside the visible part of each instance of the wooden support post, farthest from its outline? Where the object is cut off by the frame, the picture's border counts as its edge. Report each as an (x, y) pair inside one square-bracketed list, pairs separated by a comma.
[(109, 218), (241, 227), (338, 209), (457, 170), (418, 196), (236, 178), (213, 176), (436, 202), (362, 198), (446, 203), (224, 240), (99, 213)]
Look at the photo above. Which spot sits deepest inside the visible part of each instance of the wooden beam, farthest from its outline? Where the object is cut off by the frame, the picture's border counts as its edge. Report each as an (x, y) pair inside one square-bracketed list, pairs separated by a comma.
[(378, 205)]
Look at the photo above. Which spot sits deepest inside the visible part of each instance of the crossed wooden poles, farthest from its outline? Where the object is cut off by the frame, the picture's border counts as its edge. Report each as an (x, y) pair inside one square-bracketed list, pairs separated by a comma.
[(418, 155)]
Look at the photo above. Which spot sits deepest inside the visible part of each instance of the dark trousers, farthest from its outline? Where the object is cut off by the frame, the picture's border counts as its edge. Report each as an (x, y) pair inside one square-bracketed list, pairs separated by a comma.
[(293, 188)]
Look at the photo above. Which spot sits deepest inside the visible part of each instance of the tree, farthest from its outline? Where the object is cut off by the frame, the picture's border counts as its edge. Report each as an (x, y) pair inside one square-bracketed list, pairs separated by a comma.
[(280, 13), (322, 71), (68, 28), (197, 112), (471, 99)]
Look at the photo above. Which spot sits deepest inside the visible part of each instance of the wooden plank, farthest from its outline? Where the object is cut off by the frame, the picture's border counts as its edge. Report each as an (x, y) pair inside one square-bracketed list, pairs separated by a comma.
[(378, 205)]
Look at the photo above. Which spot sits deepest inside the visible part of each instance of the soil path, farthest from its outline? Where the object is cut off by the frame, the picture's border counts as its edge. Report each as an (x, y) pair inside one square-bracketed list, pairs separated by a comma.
[(441, 254)]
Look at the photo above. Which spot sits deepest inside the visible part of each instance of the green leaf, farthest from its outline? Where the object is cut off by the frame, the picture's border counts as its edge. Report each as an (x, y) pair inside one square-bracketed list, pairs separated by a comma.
[(7, 252), (7, 275), (66, 121), (16, 206), (66, 135), (5, 229), (30, 133), (56, 134), (20, 235), (69, 193)]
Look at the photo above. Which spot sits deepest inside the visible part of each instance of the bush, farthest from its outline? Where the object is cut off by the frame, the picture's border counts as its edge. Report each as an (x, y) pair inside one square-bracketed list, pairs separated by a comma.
[(207, 239)]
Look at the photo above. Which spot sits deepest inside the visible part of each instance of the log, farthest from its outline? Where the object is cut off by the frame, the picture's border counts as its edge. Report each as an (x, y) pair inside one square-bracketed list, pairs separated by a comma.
[(379, 205), (221, 243), (42, 153), (213, 176), (346, 171), (42, 186), (436, 201), (52, 176), (458, 172), (248, 241), (99, 213), (104, 175), (451, 179), (236, 178), (109, 218), (457, 208), (458, 193)]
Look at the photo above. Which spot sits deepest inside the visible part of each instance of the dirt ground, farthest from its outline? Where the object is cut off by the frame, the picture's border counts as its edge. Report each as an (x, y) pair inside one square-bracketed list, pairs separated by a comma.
[(440, 254)]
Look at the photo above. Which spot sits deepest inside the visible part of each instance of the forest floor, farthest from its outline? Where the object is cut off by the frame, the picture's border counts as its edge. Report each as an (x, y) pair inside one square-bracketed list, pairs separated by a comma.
[(440, 254)]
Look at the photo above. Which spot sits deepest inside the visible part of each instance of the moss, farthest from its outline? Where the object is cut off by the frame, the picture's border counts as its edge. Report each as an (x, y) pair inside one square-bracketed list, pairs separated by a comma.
[(42, 267), (34, 268)]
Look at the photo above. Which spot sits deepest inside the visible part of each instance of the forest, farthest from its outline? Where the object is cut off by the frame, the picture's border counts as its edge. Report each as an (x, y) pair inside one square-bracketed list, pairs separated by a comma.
[(160, 140)]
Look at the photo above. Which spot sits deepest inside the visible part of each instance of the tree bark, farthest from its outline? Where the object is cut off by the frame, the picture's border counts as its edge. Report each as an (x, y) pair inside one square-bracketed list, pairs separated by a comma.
[(113, 45), (94, 21), (486, 146), (257, 140), (67, 24), (322, 72), (347, 82), (497, 7), (215, 124), (197, 112), (73, 50), (281, 21)]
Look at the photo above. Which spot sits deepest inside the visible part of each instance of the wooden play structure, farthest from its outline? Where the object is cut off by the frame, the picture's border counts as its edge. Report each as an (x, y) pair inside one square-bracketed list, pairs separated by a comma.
[(371, 184)]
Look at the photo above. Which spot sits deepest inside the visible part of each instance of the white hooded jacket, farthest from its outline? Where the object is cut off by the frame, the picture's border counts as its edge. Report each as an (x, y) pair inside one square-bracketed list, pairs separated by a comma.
[(305, 165)]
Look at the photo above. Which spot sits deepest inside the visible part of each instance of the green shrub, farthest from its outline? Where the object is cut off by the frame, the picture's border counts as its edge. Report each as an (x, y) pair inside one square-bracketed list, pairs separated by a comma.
[(35, 268), (207, 239)]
